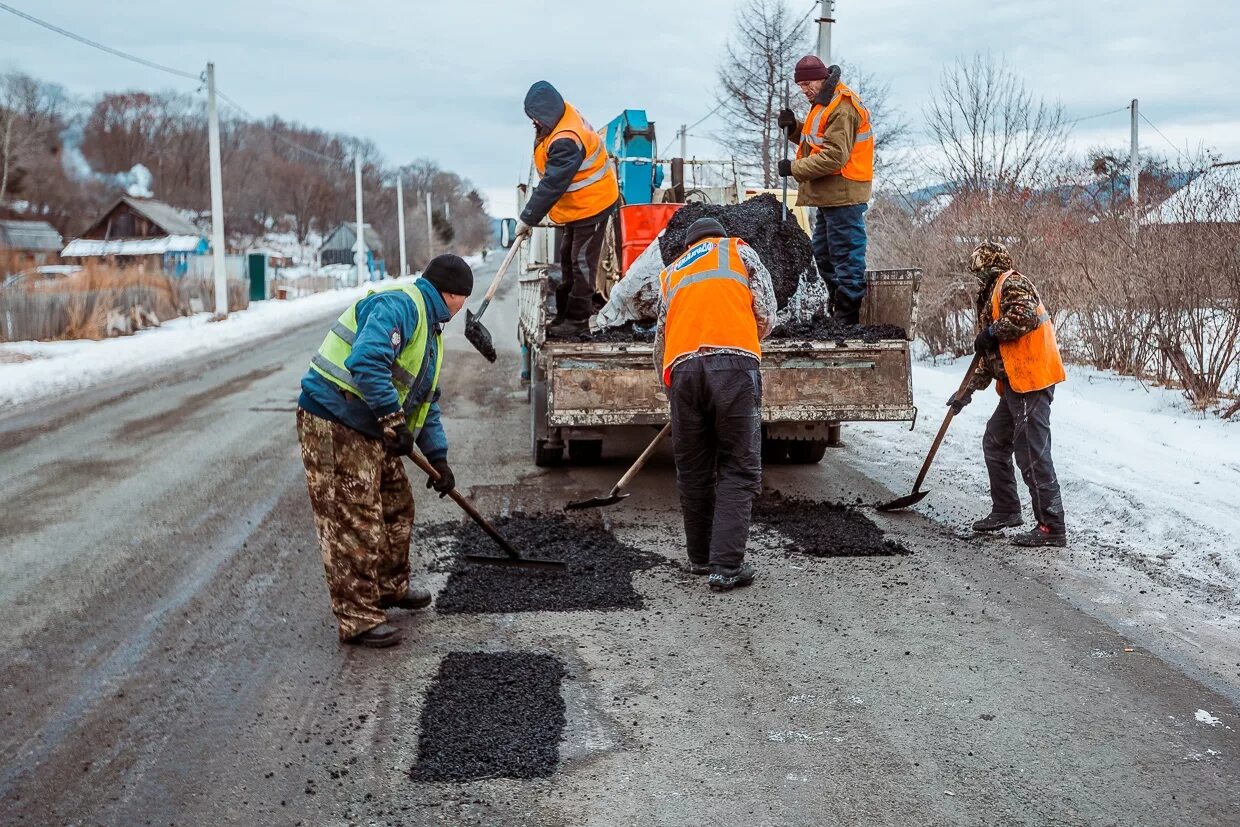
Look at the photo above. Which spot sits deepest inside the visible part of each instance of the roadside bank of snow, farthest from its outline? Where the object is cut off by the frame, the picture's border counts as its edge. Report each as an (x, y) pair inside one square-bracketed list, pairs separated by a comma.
[(1140, 471)]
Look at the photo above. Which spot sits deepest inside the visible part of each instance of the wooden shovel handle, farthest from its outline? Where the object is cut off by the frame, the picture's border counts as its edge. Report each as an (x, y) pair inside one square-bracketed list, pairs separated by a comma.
[(503, 268), (947, 420), (641, 460), (466, 506)]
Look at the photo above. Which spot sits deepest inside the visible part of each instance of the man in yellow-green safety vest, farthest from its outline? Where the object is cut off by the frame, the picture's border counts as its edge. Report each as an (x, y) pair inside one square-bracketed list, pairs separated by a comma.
[(370, 395)]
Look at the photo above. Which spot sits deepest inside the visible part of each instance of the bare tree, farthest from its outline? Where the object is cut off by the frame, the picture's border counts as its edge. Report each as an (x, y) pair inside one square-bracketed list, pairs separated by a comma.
[(29, 113), (993, 133), (754, 79)]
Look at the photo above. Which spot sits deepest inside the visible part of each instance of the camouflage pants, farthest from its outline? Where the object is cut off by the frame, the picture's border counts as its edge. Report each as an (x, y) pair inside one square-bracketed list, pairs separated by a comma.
[(363, 513)]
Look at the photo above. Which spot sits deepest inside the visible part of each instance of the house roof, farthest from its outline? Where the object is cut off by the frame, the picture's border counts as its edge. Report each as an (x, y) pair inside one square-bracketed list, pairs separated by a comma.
[(344, 236), (92, 247), (165, 216), (1212, 197), (29, 235)]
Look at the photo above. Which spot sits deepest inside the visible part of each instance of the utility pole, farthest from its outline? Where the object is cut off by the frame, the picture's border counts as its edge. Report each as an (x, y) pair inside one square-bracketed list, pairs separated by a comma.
[(826, 16), (1134, 172), (217, 196), (430, 228), (684, 140), (359, 249), (400, 222)]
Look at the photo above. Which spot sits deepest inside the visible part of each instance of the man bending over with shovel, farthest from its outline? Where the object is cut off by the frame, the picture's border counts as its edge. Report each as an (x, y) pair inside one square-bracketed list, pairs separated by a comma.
[(717, 302), (370, 395)]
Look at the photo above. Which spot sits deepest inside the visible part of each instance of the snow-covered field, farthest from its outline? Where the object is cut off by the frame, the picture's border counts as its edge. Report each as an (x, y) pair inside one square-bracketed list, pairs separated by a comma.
[(1141, 472)]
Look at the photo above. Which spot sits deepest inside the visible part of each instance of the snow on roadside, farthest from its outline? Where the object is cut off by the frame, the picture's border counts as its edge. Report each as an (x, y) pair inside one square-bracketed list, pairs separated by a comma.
[(1140, 471), (62, 367)]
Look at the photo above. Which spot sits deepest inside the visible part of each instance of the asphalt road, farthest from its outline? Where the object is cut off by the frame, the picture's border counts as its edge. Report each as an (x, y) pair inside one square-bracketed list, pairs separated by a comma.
[(167, 655)]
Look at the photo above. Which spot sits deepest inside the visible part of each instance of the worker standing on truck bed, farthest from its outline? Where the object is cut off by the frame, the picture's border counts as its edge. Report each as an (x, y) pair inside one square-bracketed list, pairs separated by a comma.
[(834, 170), (578, 189), (1016, 341), (717, 302), (370, 395)]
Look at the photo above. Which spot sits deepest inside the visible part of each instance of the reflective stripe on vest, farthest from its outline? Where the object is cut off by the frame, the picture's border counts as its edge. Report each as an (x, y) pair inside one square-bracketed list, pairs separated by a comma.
[(415, 356), (1031, 362), (860, 163), (715, 313), (594, 187)]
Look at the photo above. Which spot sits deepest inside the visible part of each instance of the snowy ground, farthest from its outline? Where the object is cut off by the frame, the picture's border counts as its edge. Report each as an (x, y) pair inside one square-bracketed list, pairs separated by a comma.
[(30, 371), (1141, 472)]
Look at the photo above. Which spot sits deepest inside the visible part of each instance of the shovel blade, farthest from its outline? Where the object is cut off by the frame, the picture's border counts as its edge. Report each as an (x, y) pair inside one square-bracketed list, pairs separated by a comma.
[(516, 562), (900, 503), (478, 336), (595, 502)]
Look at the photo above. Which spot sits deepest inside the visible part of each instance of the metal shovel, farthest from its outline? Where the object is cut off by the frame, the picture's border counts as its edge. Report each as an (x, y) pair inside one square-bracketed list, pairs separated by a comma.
[(614, 496), (514, 557), (917, 494), (478, 335)]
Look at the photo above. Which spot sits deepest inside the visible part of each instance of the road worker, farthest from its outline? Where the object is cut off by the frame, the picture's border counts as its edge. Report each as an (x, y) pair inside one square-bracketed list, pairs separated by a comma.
[(1016, 342), (577, 189), (834, 171), (716, 303), (370, 395)]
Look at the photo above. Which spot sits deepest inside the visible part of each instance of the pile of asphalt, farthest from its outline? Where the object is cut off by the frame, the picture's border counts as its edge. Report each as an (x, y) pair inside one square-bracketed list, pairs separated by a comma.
[(822, 529), (491, 715), (781, 244), (827, 329), (599, 573), (623, 334)]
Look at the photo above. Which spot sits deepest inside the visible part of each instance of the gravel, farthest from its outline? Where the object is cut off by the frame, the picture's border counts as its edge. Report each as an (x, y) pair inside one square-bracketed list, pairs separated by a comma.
[(822, 529), (491, 715), (599, 574), (826, 329), (623, 334)]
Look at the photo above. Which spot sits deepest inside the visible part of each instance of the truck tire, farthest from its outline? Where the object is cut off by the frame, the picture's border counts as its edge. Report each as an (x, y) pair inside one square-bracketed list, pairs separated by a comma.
[(774, 451), (546, 453), (585, 451), (807, 452)]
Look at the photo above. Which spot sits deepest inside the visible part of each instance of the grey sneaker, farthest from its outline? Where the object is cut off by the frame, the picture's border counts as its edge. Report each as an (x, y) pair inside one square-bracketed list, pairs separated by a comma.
[(994, 522), (725, 580)]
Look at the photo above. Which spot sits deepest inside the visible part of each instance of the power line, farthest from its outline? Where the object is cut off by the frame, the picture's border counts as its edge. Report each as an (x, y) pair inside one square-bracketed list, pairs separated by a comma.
[(275, 133), (96, 45), (1175, 148), (1099, 115)]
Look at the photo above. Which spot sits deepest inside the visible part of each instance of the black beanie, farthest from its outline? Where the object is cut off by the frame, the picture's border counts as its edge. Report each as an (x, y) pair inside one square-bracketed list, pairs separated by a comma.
[(450, 274), (704, 228)]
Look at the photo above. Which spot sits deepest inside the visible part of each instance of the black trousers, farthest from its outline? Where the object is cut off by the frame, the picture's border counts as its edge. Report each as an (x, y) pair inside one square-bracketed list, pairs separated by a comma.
[(717, 440), (580, 249), (1020, 428)]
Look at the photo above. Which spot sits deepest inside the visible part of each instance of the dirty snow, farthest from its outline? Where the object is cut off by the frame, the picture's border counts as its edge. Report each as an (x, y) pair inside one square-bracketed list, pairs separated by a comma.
[(1206, 718), (1140, 470)]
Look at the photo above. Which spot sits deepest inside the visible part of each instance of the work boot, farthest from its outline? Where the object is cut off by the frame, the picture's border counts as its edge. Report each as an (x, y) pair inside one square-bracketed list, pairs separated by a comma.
[(725, 579), (697, 568), (414, 599), (569, 329), (995, 521), (846, 311), (379, 637), (1043, 535)]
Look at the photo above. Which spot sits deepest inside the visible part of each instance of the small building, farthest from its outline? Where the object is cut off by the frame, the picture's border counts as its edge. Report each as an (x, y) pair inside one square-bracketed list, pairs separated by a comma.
[(25, 245), (1213, 197), (143, 233), (338, 247)]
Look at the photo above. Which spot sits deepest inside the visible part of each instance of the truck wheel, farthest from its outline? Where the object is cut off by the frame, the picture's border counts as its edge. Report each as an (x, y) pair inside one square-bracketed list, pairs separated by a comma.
[(807, 452), (774, 451), (547, 455), (585, 451)]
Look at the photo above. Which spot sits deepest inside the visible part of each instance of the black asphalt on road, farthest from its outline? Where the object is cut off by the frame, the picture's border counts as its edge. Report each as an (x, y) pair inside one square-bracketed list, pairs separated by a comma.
[(167, 655)]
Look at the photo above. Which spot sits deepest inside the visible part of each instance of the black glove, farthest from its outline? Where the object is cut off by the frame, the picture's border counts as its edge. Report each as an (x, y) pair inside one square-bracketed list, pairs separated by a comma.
[(959, 400), (985, 341), (787, 121), (397, 438), (446, 481), (785, 168)]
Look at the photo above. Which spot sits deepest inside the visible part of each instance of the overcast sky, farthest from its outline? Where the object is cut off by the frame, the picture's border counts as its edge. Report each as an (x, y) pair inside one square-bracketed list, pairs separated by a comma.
[(445, 80)]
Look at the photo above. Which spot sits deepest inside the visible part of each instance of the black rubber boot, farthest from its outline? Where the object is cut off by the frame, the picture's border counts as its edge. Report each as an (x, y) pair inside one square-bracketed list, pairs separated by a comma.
[(846, 310), (1041, 536), (569, 329), (725, 580), (413, 600), (994, 522), (697, 568), (380, 637)]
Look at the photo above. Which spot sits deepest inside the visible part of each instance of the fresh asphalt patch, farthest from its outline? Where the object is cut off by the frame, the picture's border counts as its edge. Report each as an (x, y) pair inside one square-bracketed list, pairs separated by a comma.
[(822, 529), (599, 573), (491, 715)]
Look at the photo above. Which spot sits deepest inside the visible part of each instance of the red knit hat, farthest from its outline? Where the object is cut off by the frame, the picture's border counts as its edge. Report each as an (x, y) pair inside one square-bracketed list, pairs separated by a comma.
[(810, 68)]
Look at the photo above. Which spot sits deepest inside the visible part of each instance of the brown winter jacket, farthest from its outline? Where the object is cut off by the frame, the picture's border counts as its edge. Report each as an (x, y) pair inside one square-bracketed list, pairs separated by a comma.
[(817, 183)]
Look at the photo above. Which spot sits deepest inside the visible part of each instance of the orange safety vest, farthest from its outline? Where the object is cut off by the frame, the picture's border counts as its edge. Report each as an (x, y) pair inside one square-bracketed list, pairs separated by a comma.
[(709, 302), (860, 164), (1031, 362), (594, 187)]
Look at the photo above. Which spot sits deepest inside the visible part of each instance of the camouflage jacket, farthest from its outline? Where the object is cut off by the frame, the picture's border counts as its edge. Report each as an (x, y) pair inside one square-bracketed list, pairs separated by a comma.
[(1018, 315)]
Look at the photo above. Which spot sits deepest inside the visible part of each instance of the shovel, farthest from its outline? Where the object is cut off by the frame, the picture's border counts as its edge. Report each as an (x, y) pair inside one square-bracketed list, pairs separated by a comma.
[(514, 557), (614, 496), (917, 494), (478, 335)]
